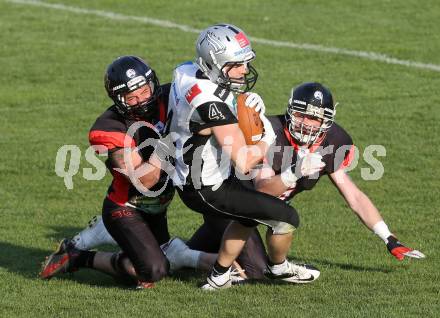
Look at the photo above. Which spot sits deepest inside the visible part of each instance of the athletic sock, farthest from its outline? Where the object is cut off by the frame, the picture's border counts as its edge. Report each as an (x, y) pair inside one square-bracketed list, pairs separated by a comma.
[(85, 259), (219, 269), (192, 258), (220, 275)]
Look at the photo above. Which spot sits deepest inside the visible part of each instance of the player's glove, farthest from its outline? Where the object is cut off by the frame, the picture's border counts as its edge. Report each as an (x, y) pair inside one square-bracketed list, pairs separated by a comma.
[(253, 100), (269, 135), (399, 250), (163, 149), (306, 165)]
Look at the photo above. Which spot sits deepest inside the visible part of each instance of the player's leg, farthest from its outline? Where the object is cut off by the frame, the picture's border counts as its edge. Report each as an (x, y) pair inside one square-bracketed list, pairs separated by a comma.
[(279, 238), (278, 246), (243, 204), (138, 240), (94, 235), (208, 237), (132, 229)]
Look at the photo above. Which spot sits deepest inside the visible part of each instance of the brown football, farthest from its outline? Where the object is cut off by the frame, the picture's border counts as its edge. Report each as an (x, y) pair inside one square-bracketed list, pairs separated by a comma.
[(249, 121)]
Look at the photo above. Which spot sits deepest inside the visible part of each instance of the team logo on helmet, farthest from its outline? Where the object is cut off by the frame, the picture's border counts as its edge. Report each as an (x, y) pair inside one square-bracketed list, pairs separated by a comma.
[(130, 73), (216, 44), (318, 96)]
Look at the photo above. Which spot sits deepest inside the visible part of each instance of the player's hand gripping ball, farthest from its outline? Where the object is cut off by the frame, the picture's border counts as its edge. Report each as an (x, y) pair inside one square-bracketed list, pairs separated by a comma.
[(249, 121)]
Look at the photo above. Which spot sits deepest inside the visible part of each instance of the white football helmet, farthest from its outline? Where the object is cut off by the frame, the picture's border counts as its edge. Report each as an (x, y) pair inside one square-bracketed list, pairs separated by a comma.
[(223, 45)]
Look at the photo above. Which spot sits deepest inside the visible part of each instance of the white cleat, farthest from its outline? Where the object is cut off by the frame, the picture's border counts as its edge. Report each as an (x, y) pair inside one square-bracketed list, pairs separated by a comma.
[(210, 285), (295, 273), (176, 252)]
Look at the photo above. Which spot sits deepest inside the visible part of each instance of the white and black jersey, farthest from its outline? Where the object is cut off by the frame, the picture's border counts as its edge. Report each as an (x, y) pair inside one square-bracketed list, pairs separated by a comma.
[(197, 103)]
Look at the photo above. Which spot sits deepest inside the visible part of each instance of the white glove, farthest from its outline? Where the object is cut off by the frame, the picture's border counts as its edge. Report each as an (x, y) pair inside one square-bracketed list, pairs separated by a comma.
[(253, 100), (306, 165), (269, 135)]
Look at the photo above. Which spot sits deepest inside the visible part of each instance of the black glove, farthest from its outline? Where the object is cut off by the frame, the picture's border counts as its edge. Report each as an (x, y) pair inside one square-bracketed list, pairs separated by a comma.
[(399, 250)]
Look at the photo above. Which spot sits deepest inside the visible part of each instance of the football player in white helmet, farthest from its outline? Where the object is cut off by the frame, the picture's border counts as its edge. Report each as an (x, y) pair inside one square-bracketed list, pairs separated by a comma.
[(210, 144)]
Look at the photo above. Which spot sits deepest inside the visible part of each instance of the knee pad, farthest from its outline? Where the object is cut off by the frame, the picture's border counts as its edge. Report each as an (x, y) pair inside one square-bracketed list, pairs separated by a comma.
[(278, 227)]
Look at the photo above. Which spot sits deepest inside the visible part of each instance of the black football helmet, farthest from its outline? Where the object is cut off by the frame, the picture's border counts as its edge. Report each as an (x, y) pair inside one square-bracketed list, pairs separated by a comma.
[(126, 74), (312, 100)]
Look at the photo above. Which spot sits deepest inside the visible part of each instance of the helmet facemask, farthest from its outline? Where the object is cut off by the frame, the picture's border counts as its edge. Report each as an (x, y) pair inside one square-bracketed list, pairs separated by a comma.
[(143, 109), (302, 132), (238, 85)]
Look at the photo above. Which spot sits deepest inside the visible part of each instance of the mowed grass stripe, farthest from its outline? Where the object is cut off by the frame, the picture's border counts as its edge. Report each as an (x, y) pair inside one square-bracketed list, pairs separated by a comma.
[(373, 56)]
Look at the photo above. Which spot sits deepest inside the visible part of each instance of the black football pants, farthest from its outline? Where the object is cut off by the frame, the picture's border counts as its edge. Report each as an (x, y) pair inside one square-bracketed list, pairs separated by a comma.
[(139, 235)]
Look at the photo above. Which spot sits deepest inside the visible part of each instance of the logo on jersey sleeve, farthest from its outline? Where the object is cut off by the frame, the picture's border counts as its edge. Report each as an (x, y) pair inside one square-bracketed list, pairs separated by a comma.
[(215, 113), (242, 39), (192, 93)]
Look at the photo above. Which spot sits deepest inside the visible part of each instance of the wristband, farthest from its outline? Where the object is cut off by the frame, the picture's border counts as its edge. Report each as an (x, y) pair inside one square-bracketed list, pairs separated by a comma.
[(381, 230)]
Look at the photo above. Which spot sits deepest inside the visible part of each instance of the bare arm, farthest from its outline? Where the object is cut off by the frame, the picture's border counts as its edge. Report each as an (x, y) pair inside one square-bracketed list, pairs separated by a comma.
[(244, 157), (266, 181), (150, 170), (356, 199)]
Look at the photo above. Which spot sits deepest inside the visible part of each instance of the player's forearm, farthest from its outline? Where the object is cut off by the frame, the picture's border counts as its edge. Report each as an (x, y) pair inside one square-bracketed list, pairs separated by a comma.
[(250, 156), (150, 176), (273, 186), (366, 210)]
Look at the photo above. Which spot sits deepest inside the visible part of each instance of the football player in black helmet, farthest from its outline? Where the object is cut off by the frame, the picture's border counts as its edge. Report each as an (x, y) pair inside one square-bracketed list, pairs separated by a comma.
[(316, 146), (136, 222), (310, 113), (126, 75)]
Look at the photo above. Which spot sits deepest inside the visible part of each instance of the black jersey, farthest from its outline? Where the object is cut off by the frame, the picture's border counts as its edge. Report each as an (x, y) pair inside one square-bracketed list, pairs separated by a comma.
[(336, 149), (110, 132)]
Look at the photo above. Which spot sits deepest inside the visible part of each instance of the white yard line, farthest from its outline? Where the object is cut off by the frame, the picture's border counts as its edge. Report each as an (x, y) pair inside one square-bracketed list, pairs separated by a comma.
[(186, 28)]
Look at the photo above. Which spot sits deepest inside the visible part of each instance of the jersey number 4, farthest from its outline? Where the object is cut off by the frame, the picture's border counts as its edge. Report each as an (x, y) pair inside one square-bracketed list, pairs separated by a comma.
[(215, 113)]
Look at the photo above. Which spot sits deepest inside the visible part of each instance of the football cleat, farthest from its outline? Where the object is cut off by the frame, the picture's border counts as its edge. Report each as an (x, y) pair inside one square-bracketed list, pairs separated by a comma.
[(295, 273), (60, 261), (176, 252), (144, 285), (216, 281), (211, 285)]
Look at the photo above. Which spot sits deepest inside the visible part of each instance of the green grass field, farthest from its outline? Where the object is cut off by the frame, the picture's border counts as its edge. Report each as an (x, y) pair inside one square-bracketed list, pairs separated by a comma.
[(51, 89)]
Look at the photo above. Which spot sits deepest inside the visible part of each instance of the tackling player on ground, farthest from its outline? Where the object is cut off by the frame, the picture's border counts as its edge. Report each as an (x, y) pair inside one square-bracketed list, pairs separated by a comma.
[(308, 128), (136, 222)]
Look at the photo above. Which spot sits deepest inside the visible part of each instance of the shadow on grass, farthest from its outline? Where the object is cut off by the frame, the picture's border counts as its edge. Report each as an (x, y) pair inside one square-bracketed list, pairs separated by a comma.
[(350, 267), (26, 262)]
